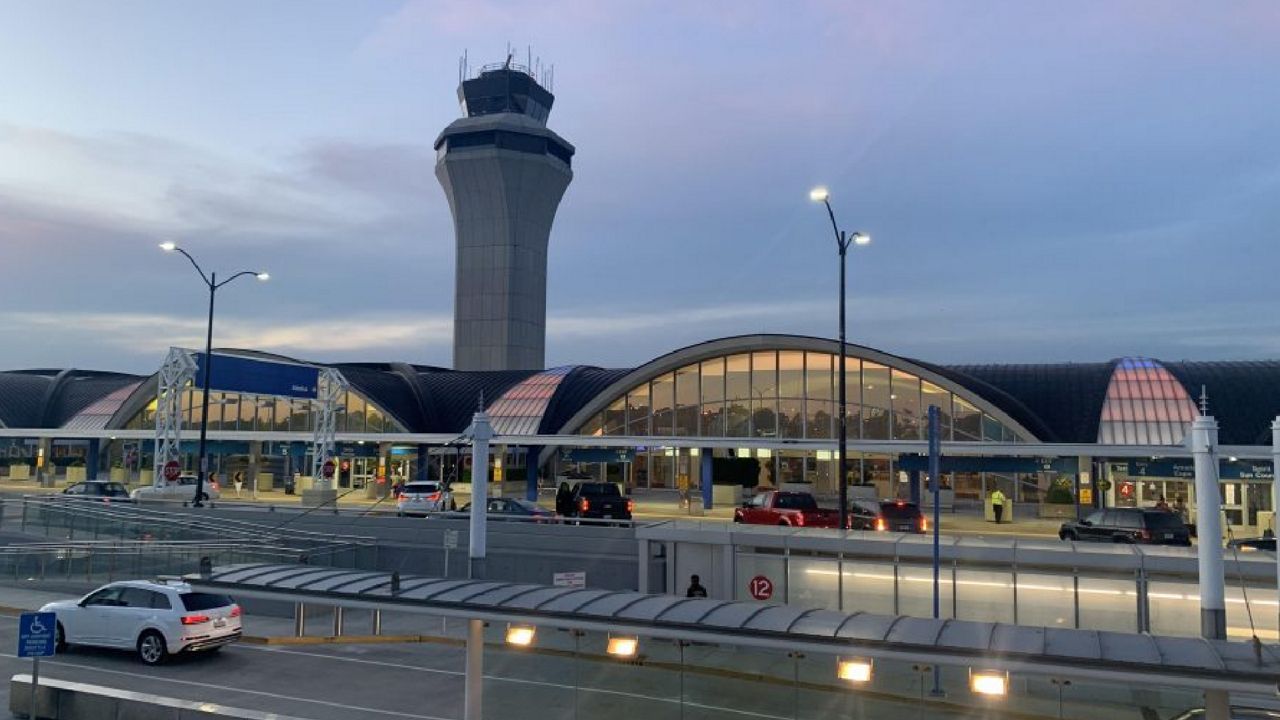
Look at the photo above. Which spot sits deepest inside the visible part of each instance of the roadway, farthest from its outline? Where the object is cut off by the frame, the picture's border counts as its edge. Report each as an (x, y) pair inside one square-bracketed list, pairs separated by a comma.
[(423, 681)]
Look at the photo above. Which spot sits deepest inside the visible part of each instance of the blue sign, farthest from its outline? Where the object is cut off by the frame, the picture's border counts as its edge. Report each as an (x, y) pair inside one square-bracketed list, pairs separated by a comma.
[(261, 377), (36, 634), (964, 463), (1185, 469)]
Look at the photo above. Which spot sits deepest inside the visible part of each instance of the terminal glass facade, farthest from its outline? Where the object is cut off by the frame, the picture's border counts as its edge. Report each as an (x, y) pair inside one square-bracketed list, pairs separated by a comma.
[(790, 394), (265, 413)]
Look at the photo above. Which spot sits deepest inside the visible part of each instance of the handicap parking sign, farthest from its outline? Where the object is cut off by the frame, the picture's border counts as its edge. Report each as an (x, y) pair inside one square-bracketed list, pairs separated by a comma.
[(36, 634)]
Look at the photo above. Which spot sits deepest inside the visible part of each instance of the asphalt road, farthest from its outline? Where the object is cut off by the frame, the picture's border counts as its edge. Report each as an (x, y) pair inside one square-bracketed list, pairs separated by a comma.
[(423, 681)]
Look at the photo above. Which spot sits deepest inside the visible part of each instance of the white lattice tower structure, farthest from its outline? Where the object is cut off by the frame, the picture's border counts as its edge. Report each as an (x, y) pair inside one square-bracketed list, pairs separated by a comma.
[(178, 371), (331, 390)]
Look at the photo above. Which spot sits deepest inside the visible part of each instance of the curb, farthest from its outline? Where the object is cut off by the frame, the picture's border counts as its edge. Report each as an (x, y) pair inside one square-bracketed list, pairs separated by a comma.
[(346, 639)]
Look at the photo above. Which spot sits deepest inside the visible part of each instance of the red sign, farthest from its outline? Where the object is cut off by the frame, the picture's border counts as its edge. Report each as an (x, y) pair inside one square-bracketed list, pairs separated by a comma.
[(171, 470), (760, 587), (327, 468)]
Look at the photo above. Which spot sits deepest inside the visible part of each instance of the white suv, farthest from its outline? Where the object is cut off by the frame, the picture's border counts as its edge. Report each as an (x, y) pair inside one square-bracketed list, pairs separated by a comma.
[(184, 489), (156, 619), (420, 498)]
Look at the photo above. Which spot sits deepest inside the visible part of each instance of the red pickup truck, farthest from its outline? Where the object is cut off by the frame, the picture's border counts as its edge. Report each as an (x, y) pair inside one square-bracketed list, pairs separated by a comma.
[(786, 508)]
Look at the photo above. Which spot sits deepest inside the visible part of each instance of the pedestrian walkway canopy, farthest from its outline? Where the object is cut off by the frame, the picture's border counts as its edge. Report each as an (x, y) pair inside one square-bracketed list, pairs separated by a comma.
[(1113, 657)]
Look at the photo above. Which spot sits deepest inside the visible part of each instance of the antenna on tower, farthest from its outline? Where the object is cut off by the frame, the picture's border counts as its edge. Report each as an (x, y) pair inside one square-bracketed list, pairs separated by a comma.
[(1204, 401)]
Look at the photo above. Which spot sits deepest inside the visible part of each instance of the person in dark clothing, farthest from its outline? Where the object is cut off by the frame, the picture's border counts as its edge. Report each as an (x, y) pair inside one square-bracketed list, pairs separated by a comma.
[(564, 500), (695, 588)]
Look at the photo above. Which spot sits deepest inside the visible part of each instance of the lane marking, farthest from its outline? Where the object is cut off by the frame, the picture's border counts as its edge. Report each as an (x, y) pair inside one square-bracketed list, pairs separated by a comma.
[(135, 675)]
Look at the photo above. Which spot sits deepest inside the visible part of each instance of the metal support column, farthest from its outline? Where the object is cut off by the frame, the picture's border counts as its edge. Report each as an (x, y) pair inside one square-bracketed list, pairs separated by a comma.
[(1204, 445), (481, 433)]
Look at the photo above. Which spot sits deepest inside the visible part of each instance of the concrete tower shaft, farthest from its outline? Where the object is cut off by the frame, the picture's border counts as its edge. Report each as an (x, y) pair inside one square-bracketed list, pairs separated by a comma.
[(504, 173)]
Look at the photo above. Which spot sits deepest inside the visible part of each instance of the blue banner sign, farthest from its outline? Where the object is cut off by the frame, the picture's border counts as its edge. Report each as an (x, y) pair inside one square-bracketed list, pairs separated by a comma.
[(965, 463), (1185, 469), (260, 377), (36, 634)]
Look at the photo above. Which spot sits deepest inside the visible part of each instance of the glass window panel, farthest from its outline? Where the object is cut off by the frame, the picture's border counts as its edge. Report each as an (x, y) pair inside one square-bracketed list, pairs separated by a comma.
[(1110, 604), (355, 413), (991, 430), (819, 376), (638, 411), (764, 394), (931, 394), (713, 419), (662, 469), (984, 595), (818, 423), (813, 583), (791, 418), (875, 401), (853, 395), (266, 413), (687, 396), (967, 421), (375, 421), (791, 377), (248, 412), (905, 396), (1046, 600), (284, 409), (738, 377), (662, 397), (713, 380), (593, 426), (915, 592), (868, 587), (614, 417), (301, 418)]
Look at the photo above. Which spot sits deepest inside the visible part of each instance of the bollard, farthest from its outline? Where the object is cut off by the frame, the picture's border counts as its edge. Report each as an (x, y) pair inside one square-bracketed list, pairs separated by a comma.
[(337, 621), (206, 567), (395, 583), (377, 622), (299, 620)]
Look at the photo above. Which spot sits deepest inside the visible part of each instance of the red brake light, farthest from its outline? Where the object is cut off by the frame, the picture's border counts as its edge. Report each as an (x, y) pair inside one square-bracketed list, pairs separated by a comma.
[(800, 518), (924, 524), (583, 505), (194, 619), (235, 611), (880, 524), (631, 506), (899, 503), (433, 497)]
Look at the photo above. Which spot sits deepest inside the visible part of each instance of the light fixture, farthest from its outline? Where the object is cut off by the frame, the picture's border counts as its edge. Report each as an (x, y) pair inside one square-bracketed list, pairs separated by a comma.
[(263, 276), (168, 246), (861, 238), (993, 683), (854, 670), (1231, 459), (819, 194), (623, 646), (521, 635)]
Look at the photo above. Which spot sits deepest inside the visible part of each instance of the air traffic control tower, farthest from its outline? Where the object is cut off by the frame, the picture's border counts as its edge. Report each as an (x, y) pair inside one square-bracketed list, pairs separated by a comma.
[(504, 173)]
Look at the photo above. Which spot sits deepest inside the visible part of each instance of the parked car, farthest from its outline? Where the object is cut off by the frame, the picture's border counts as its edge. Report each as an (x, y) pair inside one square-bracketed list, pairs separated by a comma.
[(104, 491), (601, 500), (156, 620), (1147, 526), (420, 498), (515, 508), (887, 516), (183, 489), (796, 509), (1253, 544)]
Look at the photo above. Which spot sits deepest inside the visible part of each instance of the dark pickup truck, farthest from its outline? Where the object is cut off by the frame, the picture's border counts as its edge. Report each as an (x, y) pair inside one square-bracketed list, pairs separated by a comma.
[(601, 501), (786, 508)]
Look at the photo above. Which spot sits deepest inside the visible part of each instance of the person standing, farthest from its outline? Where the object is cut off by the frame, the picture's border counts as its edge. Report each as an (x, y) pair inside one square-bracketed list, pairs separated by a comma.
[(997, 505), (564, 500), (696, 590)]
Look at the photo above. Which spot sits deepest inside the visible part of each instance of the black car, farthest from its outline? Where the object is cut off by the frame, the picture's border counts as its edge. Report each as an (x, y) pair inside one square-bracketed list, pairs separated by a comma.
[(887, 516), (1147, 526), (1253, 544), (98, 490), (600, 500)]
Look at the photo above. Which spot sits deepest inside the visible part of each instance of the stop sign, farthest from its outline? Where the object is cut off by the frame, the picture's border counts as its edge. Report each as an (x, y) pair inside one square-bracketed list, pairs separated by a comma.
[(327, 468), (171, 470), (760, 587)]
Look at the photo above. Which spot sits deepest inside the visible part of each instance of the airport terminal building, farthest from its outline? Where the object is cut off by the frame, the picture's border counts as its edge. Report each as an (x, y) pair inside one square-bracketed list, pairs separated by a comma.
[(754, 409)]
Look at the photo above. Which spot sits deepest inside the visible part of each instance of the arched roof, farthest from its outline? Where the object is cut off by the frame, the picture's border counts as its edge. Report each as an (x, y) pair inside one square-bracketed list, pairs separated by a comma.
[(752, 343), (47, 398), (1244, 396)]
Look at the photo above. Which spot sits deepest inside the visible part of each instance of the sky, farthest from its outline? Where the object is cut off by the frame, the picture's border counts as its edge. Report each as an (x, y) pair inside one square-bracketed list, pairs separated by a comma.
[(1042, 181)]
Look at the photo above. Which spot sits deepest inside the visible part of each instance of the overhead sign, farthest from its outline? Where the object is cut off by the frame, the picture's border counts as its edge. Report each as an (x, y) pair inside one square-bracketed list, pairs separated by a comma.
[(760, 587), (598, 455), (36, 634), (232, 373), (963, 463), (1185, 469), (570, 579)]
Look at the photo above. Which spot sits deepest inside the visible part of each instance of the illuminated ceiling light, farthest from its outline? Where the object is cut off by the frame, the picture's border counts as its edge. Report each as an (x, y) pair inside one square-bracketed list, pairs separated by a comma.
[(520, 635), (992, 683), (854, 670), (819, 194), (623, 647)]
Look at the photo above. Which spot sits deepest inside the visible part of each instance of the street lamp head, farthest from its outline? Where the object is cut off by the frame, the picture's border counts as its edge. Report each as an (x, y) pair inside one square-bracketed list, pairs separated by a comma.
[(168, 246), (860, 238), (819, 194), (263, 276)]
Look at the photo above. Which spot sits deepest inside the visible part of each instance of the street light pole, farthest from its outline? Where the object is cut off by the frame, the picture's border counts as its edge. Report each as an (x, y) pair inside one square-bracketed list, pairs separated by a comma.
[(843, 241), (210, 281)]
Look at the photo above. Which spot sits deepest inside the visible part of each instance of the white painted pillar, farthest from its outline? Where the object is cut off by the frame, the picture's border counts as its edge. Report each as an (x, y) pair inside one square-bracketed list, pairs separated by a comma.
[(481, 434), (642, 584), (1275, 493), (473, 693), (1204, 445)]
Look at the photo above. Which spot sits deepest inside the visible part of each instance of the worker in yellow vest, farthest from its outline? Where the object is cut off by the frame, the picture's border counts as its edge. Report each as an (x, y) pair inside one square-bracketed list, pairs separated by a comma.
[(997, 505)]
